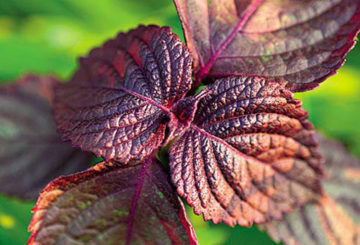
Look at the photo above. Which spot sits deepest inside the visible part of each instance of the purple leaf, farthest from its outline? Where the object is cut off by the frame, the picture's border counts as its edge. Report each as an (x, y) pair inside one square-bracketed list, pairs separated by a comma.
[(132, 204), (32, 153), (249, 155), (119, 101), (336, 218), (300, 42)]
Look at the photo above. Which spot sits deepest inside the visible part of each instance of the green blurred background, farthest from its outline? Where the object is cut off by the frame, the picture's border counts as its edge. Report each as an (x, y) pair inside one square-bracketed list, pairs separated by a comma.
[(47, 36)]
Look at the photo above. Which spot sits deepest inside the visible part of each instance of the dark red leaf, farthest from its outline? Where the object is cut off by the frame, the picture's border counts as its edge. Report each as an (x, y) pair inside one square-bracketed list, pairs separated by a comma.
[(119, 101), (301, 42), (31, 152), (336, 218), (249, 155), (132, 204)]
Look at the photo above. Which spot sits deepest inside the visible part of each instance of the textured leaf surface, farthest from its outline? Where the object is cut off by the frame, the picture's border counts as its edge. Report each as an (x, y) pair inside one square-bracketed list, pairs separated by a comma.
[(31, 152), (336, 219), (249, 155), (133, 204), (119, 101), (301, 42)]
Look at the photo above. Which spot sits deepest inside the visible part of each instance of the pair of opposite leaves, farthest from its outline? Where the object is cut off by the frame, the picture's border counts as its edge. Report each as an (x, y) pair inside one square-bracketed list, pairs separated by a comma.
[(244, 150), (221, 159), (241, 149)]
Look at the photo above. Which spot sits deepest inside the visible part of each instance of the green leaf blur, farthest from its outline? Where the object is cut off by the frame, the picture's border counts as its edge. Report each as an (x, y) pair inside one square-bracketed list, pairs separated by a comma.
[(47, 36)]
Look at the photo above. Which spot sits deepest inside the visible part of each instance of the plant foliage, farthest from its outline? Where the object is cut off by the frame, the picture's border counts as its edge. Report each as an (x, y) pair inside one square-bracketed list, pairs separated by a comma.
[(240, 150)]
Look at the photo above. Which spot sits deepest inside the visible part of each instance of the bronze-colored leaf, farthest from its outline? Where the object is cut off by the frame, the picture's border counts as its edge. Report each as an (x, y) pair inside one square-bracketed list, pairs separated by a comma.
[(118, 103), (300, 42), (31, 152), (109, 204), (335, 220), (248, 156)]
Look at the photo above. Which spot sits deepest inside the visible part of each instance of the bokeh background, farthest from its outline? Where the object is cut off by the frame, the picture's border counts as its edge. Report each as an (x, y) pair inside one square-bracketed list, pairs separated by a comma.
[(47, 36)]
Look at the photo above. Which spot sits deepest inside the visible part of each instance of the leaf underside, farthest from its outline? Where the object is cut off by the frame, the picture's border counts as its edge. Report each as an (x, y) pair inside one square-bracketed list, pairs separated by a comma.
[(249, 155), (299, 42), (336, 219), (32, 153), (132, 204), (117, 103)]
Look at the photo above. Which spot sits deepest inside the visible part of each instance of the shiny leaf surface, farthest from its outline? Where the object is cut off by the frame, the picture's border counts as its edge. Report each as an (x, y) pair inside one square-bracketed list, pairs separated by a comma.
[(336, 219), (119, 101), (31, 152), (249, 155), (300, 42), (132, 204)]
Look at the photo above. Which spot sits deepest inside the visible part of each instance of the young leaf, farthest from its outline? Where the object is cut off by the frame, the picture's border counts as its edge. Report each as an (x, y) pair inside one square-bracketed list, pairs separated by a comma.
[(336, 219), (132, 204), (249, 155), (300, 42), (119, 101), (32, 153)]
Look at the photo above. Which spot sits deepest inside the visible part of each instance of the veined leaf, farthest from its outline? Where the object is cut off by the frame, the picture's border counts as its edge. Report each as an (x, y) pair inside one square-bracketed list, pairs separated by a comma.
[(336, 218), (300, 42), (132, 204), (32, 153), (119, 101), (249, 155)]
